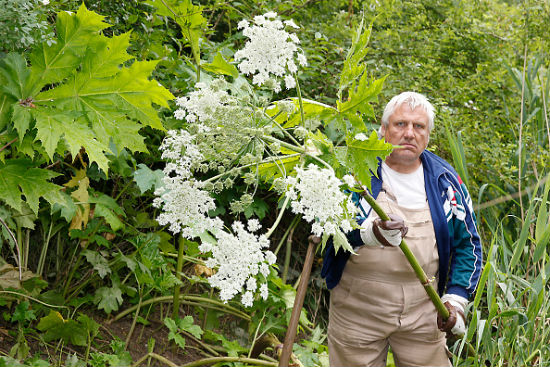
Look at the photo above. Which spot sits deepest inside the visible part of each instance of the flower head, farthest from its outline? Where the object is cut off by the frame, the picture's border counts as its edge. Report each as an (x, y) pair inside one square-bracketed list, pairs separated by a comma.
[(270, 52), (241, 261), (315, 193)]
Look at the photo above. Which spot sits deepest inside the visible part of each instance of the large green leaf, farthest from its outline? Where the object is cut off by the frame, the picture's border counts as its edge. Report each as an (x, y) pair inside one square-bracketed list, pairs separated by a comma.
[(94, 98), (53, 63), (360, 94), (14, 76), (361, 156), (19, 177)]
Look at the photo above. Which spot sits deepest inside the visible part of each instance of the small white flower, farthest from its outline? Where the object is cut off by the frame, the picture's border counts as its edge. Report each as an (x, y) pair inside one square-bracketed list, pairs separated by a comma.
[(254, 225), (361, 137), (349, 180), (290, 82), (291, 23), (247, 299), (270, 15), (270, 257), (179, 114), (251, 284), (264, 291), (243, 24)]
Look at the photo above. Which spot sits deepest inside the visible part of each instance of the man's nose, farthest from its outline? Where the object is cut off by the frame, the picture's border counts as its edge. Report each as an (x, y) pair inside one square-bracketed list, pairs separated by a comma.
[(409, 130)]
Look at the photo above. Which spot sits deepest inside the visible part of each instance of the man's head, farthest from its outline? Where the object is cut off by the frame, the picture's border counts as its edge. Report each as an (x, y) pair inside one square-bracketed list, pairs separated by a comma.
[(414, 100), (407, 121)]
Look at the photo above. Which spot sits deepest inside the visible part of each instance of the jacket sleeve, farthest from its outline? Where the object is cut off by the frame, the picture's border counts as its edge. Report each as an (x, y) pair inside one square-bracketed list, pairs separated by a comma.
[(466, 251)]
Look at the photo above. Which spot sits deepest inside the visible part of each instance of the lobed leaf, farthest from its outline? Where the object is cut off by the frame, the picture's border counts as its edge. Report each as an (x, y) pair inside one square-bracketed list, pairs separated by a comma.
[(19, 177)]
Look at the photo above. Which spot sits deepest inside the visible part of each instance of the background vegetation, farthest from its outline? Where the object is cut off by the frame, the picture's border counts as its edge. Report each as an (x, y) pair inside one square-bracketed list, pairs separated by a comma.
[(82, 119)]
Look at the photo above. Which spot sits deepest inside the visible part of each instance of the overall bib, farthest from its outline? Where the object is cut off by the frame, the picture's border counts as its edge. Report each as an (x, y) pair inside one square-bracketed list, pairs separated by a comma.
[(379, 302)]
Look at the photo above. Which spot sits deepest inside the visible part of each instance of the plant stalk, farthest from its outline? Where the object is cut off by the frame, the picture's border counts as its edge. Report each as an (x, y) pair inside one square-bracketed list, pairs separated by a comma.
[(177, 288)]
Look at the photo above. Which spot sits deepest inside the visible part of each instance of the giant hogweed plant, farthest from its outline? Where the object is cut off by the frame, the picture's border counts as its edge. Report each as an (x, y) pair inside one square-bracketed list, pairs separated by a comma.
[(78, 103), (235, 131)]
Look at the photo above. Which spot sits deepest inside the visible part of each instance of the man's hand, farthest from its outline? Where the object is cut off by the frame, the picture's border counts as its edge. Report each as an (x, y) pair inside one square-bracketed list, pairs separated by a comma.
[(455, 325), (379, 233)]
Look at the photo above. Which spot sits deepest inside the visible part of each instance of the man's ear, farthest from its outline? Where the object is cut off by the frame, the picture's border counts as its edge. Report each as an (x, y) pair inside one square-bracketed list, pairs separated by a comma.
[(381, 131)]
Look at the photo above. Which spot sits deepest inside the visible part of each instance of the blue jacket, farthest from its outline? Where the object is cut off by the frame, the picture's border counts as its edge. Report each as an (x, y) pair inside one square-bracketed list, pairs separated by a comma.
[(458, 243)]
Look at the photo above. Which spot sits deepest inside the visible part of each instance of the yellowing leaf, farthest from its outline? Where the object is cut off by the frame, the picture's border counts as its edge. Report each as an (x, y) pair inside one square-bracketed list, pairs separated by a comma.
[(220, 66)]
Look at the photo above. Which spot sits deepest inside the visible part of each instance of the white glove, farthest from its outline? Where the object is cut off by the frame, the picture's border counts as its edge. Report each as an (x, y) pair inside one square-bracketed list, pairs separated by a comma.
[(391, 232), (459, 303)]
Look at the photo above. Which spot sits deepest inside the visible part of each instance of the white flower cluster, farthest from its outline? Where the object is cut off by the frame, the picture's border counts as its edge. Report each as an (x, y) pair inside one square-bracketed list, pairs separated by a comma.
[(240, 260), (200, 106), (316, 194), (271, 50), (184, 203), (239, 257)]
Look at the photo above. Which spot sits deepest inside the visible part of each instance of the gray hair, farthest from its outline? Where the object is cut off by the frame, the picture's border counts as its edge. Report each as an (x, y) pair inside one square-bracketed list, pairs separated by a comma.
[(413, 99)]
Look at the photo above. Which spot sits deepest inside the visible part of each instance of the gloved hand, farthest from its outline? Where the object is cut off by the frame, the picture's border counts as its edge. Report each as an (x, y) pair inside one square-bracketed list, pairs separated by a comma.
[(379, 233), (455, 325)]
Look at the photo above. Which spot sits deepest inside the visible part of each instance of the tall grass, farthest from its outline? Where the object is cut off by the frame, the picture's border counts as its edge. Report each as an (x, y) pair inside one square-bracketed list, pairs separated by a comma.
[(509, 319)]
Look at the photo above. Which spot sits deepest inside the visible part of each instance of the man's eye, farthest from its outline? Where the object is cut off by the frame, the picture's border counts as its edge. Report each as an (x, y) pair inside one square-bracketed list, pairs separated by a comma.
[(419, 126)]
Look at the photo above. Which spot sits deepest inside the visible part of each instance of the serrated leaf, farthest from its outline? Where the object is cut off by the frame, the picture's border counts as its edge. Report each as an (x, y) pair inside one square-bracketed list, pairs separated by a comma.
[(173, 334), (147, 179), (99, 263), (19, 177), (353, 67), (278, 168), (220, 66), (96, 99), (107, 207), (53, 63), (188, 325), (14, 76), (108, 299), (361, 156), (55, 328), (312, 110), (21, 117), (360, 95)]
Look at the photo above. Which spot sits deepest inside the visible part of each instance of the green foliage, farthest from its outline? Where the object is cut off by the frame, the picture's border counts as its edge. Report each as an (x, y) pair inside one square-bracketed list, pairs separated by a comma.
[(19, 177), (186, 324), (23, 24)]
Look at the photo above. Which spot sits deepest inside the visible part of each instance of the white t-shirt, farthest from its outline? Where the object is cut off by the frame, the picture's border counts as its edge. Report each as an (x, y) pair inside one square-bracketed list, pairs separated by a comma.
[(408, 188)]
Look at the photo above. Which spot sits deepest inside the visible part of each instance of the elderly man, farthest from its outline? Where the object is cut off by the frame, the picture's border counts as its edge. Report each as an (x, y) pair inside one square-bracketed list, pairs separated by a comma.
[(376, 300)]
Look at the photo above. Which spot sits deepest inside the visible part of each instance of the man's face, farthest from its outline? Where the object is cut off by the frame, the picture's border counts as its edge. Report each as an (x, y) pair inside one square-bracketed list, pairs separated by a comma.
[(409, 129)]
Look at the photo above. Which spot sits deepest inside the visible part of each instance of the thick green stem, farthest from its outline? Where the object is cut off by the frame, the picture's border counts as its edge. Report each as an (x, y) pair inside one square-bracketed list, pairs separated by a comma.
[(279, 217), (267, 160), (214, 360), (294, 148), (288, 253), (194, 300), (299, 93), (177, 288), (420, 274)]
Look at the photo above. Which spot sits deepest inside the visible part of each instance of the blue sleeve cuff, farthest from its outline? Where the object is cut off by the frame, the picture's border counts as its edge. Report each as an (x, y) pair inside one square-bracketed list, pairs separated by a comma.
[(458, 290)]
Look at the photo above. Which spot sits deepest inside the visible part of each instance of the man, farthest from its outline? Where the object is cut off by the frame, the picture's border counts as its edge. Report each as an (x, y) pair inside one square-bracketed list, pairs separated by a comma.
[(376, 300)]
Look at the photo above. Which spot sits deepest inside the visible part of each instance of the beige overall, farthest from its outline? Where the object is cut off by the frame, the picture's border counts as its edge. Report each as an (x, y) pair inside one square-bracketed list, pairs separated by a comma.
[(379, 302)]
